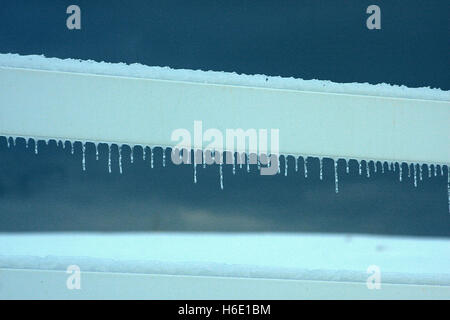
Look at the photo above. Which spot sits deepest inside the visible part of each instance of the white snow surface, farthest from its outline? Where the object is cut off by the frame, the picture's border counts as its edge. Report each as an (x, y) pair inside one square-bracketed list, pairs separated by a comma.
[(328, 257), (136, 70)]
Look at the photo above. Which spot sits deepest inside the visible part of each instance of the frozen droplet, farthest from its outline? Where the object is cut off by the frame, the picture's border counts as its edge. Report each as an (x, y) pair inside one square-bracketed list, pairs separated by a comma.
[(221, 175), (109, 158), (435, 170), (132, 154), (83, 148), (429, 170), (120, 159), (8, 143), (320, 169), (96, 151), (305, 166), (347, 166), (336, 181)]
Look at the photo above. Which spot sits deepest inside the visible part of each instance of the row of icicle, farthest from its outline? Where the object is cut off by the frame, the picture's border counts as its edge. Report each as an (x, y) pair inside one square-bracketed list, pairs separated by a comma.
[(417, 169)]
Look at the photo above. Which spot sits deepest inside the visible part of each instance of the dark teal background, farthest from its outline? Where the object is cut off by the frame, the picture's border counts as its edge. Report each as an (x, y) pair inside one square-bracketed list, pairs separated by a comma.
[(305, 39)]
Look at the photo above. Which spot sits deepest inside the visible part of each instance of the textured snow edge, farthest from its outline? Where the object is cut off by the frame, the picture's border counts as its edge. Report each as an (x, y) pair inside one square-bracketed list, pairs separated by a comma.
[(136, 70), (320, 257)]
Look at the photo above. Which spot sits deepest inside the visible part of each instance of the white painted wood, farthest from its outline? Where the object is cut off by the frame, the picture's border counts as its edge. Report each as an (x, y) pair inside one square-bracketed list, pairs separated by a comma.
[(74, 106)]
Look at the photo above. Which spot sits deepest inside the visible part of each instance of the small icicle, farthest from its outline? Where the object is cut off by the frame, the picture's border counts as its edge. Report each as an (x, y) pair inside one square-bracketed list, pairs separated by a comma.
[(347, 166), (336, 179), (195, 172), (441, 171), (279, 165), (429, 170), (120, 159), (375, 166), (151, 158), (400, 172), (305, 166), (409, 171), (8, 143), (83, 147), (435, 170), (221, 176), (72, 147), (420, 172), (360, 170), (234, 163), (109, 158), (382, 167), (164, 157), (36, 147), (144, 153), (367, 169), (448, 188), (394, 167), (321, 169), (285, 166), (248, 163), (132, 154), (415, 176), (204, 160), (258, 161), (296, 164), (26, 143), (96, 151)]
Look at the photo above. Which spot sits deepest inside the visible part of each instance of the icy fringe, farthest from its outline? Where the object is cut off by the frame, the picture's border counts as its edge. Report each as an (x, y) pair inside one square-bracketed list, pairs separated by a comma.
[(365, 167)]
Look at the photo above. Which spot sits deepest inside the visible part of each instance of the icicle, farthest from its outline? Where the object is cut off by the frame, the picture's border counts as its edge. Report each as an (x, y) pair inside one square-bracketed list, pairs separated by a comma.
[(248, 163), (359, 163), (305, 166), (8, 143), (375, 167), (151, 157), (321, 169), (279, 167), (367, 169), (96, 151), (448, 188), (415, 176), (435, 170), (420, 172), (132, 154), (72, 147), (258, 161), (285, 166), (234, 163), (195, 172), (120, 159), (204, 160), (109, 158), (382, 167), (400, 172), (409, 171), (36, 147), (429, 170), (441, 171), (144, 153), (221, 176), (394, 167), (336, 182), (296, 164), (347, 166), (26, 143), (83, 147), (164, 157)]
